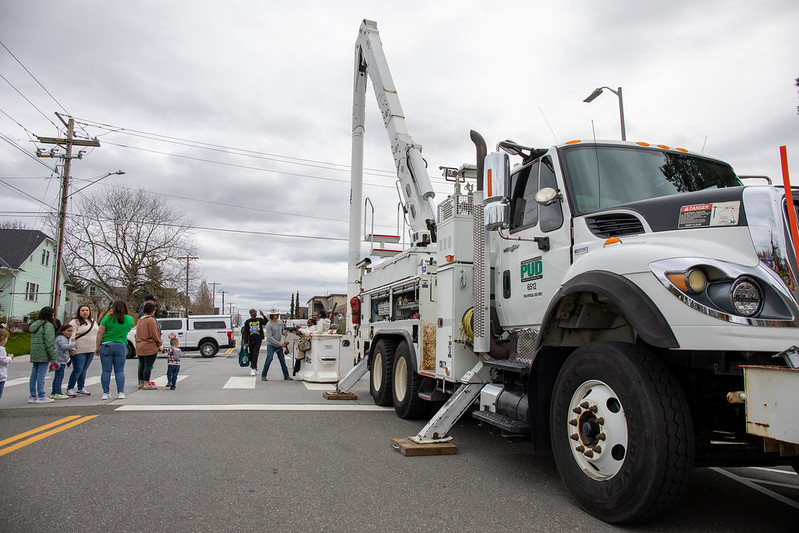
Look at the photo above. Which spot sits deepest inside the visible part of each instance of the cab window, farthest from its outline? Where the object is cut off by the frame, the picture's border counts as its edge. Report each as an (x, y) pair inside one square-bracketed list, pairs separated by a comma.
[(524, 209)]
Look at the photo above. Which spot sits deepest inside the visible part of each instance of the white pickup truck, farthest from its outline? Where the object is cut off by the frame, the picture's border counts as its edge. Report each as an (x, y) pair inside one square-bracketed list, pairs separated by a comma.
[(206, 333)]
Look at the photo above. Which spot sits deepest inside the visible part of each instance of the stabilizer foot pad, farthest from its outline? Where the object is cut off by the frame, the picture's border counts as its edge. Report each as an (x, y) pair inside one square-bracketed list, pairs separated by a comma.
[(329, 395), (411, 449)]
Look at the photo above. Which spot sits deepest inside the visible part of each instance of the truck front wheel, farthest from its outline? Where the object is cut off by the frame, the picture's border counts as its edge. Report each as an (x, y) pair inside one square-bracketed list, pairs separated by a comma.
[(208, 349), (405, 386), (382, 370), (622, 435)]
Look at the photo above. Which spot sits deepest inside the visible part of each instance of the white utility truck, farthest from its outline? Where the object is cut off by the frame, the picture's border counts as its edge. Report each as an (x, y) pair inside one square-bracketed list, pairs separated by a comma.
[(630, 307)]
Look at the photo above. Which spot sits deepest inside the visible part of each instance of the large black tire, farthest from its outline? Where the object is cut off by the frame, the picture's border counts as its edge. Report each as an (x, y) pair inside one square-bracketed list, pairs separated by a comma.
[(208, 349), (622, 434), (130, 351), (382, 370), (405, 386)]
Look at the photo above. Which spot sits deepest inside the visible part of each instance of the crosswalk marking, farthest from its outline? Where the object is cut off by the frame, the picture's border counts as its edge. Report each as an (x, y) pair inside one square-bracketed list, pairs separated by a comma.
[(257, 407), (240, 382), (161, 381)]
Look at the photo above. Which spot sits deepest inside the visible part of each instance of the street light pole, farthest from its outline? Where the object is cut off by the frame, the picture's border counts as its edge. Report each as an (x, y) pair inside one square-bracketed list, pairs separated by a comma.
[(591, 97)]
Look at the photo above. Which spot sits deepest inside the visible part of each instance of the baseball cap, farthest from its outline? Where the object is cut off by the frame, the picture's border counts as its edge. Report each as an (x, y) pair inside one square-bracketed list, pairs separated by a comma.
[(149, 297)]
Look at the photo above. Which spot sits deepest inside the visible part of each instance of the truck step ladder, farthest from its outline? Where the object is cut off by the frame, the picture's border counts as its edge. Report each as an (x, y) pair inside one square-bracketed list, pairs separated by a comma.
[(502, 422), (379, 241)]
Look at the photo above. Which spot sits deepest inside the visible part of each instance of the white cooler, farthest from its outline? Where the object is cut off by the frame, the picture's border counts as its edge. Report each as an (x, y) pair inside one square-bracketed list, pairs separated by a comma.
[(330, 357)]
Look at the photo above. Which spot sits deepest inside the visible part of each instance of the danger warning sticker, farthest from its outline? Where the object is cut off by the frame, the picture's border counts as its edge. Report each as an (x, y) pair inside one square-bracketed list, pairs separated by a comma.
[(706, 215)]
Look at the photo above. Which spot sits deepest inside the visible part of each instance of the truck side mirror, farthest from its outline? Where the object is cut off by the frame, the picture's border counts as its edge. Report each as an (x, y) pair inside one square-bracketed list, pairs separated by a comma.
[(496, 174)]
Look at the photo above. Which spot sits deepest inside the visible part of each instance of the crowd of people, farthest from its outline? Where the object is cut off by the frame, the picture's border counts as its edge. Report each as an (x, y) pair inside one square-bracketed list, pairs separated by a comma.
[(56, 347)]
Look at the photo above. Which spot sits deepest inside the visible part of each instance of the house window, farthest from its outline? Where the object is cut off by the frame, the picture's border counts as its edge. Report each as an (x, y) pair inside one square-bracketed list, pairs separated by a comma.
[(92, 291), (46, 257), (32, 291)]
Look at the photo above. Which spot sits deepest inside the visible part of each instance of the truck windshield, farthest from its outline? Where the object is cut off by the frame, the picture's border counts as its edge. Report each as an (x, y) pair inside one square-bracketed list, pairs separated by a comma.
[(604, 176)]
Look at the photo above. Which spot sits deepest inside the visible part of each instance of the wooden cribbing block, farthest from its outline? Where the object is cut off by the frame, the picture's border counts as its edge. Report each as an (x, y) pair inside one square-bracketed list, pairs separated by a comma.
[(411, 449), (330, 395)]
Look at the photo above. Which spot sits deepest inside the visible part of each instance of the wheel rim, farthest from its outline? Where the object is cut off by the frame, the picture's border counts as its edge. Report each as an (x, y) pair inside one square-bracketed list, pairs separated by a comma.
[(400, 379), (377, 371), (597, 429)]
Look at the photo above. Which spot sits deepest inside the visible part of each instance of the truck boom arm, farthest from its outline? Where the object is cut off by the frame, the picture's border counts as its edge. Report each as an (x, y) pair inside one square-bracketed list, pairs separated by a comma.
[(417, 191)]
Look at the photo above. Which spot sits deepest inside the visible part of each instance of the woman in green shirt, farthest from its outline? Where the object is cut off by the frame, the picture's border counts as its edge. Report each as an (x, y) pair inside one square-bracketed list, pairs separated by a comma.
[(112, 347)]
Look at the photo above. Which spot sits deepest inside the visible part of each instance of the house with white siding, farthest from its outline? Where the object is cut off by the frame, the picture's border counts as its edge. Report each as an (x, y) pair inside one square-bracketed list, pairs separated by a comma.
[(27, 273)]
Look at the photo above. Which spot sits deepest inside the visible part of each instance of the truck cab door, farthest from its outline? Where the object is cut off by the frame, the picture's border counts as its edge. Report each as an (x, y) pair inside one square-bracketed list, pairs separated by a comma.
[(535, 251), (172, 328)]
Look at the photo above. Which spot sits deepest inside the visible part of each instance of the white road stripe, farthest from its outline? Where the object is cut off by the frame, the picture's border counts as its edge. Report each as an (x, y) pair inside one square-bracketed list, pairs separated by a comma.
[(776, 471), (755, 486), (258, 407), (240, 382), (161, 381)]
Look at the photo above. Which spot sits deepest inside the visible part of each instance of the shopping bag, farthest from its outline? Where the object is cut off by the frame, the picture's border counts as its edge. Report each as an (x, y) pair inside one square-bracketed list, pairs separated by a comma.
[(244, 357)]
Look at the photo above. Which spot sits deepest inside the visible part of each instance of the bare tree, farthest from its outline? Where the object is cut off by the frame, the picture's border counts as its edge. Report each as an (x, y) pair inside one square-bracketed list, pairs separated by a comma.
[(13, 224), (203, 302), (124, 240)]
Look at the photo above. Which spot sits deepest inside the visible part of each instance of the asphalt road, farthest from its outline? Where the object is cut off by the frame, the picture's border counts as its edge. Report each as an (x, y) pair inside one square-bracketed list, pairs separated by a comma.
[(222, 454)]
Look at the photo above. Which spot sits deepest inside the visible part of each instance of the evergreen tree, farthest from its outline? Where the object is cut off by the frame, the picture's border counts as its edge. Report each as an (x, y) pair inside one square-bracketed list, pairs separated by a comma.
[(291, 307)]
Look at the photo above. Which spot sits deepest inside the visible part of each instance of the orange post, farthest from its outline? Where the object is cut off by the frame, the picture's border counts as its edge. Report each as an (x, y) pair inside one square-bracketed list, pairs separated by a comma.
[(786, 180)]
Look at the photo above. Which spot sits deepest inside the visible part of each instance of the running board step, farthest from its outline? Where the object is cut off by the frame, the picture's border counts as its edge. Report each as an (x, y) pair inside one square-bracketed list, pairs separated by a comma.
[(510, 365), (503, 422)]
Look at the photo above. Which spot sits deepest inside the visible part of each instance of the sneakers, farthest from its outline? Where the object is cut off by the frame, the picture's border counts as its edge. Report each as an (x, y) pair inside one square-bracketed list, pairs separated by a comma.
[(288, 378), (106, 396), (253, 372), (83, 392), (71, 393), (172, 387), (45, 400), (31, 399), (59, 396), (121, 396)]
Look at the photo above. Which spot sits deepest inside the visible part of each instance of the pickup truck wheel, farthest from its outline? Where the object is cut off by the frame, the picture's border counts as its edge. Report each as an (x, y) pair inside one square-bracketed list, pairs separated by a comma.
[(131, 351), (622, 434), (208, 349), (382, 370), (405, 386)]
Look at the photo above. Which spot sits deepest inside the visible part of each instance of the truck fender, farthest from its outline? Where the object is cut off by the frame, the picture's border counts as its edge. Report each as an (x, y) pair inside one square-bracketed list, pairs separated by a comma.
[(393, 333), (643, 314)]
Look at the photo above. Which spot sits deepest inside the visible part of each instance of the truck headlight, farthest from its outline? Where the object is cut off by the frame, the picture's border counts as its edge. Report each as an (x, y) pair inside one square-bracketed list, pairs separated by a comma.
[(746, 296)]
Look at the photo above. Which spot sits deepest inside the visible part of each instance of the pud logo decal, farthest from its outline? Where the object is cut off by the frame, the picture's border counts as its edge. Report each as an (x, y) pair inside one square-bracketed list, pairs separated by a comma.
[(532, 269)]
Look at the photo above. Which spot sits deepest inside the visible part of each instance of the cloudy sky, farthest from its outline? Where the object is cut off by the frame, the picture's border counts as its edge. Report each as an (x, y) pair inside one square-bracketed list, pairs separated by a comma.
[(239, 112)]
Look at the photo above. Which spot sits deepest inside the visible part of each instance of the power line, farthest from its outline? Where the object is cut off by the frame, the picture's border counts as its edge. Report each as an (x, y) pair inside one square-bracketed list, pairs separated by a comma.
[(28, 100)]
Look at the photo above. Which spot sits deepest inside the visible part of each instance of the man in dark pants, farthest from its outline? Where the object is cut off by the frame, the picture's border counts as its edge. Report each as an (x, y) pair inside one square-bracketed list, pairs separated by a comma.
[(252, 335)]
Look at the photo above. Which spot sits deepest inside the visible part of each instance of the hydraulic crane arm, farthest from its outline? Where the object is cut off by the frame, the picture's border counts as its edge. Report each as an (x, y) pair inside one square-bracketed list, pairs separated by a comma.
[(417, 191)]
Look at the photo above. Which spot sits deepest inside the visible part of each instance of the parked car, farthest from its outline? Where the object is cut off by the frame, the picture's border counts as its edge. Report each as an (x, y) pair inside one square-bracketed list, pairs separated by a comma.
[(206, 333)]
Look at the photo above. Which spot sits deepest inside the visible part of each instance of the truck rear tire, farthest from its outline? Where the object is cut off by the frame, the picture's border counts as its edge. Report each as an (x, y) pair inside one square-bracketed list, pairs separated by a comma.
[(622, 434), (382, 370), (131, 351), (208, 349), (405, 386)]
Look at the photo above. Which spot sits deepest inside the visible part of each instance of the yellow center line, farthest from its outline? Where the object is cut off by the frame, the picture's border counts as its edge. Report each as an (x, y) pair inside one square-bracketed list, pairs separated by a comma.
[(38, 429), (45, 434)]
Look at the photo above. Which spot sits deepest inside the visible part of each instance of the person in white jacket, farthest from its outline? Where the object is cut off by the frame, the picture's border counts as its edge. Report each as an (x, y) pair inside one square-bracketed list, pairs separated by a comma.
[(323, 322), (5, 358)]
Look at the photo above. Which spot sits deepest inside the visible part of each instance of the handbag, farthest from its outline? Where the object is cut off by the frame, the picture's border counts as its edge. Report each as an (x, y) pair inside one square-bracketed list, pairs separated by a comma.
[(244, 357), (303, 345)]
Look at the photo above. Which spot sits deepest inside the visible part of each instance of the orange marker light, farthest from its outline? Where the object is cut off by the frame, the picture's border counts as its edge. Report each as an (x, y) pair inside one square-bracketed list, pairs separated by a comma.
[(490, 180), (612, 241), (573, 142), (450, 258), (642, 143), (681, 149), (663, 146)]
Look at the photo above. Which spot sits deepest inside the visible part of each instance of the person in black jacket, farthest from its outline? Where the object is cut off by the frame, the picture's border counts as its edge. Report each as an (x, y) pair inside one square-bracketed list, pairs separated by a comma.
[(252, 335)]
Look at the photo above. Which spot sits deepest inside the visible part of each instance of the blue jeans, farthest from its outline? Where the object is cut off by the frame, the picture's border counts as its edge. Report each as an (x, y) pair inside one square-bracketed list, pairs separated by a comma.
[(172, 374), (58, 379), (270, 351), (38, 372), (2, 386), (80, 366), (113, 354)]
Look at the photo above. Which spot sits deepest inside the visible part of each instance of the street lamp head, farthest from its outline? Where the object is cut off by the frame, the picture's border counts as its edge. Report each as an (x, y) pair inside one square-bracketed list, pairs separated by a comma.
[(591, 97), (119, 172)]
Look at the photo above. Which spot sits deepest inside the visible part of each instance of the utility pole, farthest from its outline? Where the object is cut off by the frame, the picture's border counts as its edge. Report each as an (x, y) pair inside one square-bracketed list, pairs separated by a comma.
[(223, 301), (67, 143), (187, 258), (213, 294)]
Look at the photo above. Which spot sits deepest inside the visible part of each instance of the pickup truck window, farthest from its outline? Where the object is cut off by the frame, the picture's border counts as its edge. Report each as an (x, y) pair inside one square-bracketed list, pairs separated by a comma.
[(213, 324), (604, 176), (170, 324)]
